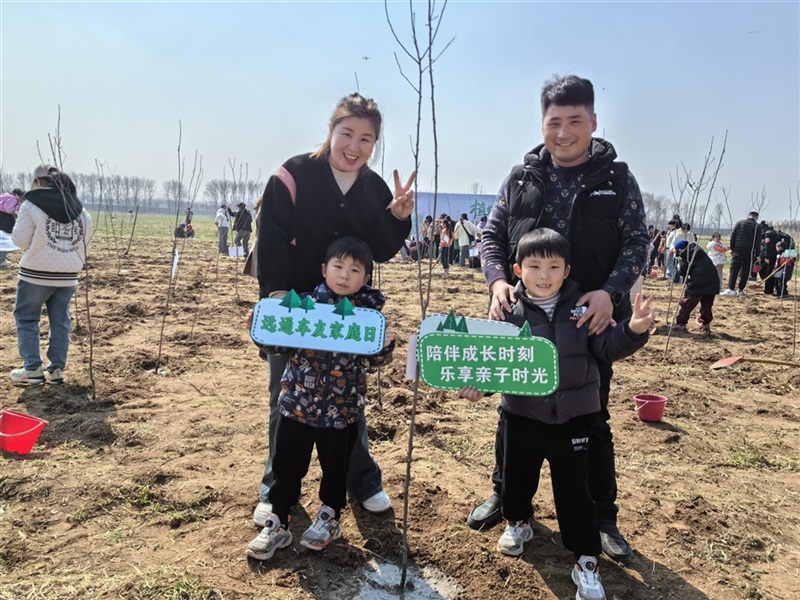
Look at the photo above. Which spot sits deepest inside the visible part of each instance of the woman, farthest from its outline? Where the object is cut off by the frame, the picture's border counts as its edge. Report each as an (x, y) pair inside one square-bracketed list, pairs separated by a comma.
[(55, 232), (446, 244), (310, 201)]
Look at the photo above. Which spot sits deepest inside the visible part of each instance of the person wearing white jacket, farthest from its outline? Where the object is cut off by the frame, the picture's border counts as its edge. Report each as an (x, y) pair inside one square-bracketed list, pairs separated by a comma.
[(462, 232), (55, 232)]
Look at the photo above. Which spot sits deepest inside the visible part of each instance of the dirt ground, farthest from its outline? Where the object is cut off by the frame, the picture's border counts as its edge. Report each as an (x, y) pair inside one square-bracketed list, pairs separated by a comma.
[(147, 491)]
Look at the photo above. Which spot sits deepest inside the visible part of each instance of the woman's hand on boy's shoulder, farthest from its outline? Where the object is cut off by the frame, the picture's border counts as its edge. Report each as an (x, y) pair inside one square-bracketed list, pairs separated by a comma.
[(471, 393)]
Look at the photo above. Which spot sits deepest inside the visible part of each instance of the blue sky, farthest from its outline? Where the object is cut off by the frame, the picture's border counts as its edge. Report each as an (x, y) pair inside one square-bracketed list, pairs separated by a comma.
[(257, 81)]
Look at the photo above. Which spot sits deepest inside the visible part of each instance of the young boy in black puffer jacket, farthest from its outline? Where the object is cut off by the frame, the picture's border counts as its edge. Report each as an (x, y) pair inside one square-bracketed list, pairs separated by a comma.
[(322, 396), (556, 427)]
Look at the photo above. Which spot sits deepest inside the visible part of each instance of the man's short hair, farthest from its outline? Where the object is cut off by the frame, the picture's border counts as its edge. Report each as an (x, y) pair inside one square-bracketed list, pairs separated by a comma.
[(351, 247), (18, 192), (543, 242), (567, 90), (464, 216), (753, 213)]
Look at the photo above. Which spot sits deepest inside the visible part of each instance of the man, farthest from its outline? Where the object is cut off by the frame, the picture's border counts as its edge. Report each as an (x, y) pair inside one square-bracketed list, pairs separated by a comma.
[(221, 221), (463, 231), (768, 255), (743, 248), (572, 184), (242, 225)]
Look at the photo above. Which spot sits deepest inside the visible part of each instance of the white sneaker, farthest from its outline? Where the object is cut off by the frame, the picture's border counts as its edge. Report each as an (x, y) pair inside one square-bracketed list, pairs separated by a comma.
[(262, 512), (323, 530), (56, 377), (727, 293), (586, 576), (271, 538), (741, 293), (512, 542), (378, 503), (23, 375)]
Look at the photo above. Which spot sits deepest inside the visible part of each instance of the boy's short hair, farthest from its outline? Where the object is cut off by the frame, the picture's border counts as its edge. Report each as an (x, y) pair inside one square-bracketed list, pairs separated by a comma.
[(568, 90), (543, 242), (351, 247)]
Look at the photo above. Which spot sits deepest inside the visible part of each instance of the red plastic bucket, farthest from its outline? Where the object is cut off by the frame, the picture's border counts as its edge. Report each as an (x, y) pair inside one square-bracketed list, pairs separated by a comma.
[(650, 407), (18, 431)]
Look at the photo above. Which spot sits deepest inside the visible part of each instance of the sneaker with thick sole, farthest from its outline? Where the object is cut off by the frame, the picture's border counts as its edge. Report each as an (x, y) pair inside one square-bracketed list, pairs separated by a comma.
[(323, 530), (741, 293), (512, 542), (23, 375), (56, 377), (586, 575), (378, 503), (262, 512), (614, 545), (679, 329), (272, 537), (487, 514), (728, 293)]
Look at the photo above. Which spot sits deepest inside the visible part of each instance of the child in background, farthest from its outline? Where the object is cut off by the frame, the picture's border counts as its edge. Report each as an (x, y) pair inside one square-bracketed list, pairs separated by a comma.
[(784, 272), (702, 285), (323, 394), (556, 427), (716, 252)]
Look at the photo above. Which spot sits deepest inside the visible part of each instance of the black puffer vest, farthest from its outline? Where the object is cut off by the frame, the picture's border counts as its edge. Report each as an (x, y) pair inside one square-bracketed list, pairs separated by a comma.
[(594, 232)]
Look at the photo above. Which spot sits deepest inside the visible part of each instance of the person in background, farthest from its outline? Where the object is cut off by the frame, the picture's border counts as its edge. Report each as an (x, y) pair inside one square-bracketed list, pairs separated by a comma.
[(9, 205), (243, 226), (743, 250), (222, 222), (701, 286), (717, 252), (785, 267), (55, 232), (467, 235), (310, 201)]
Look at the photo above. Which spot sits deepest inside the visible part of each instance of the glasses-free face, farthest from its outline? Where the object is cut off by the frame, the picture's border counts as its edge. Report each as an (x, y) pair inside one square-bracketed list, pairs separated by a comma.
[(567, 132), (352, 141), (344, 276), (542, 276)]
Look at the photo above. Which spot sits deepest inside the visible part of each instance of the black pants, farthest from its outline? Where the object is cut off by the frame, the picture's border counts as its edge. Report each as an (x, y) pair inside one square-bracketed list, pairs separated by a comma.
[(740, 264), (294, 443), (566, 447), (602, 471), (768, 266)]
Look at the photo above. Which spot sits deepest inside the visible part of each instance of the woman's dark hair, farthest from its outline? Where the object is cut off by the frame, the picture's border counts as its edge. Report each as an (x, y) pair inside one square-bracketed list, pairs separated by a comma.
[(351, 247), (543, 242)]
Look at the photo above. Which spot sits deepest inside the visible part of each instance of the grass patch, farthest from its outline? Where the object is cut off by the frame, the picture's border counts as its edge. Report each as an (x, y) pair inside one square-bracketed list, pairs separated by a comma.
[(183, 588), (177, 512), (748, 456)]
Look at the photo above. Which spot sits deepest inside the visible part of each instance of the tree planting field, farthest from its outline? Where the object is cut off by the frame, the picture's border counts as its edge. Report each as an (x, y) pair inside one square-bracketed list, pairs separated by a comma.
[(148, 490)]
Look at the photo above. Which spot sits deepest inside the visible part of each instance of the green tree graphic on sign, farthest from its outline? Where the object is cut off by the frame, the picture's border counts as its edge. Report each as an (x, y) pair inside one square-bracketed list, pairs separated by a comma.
[(291, 300), (344, 308), (525, 331), (307, 303), (450, 321)]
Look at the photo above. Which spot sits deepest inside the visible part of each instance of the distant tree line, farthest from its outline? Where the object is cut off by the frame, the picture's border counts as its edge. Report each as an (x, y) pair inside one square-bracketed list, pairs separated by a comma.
[(121, 193)]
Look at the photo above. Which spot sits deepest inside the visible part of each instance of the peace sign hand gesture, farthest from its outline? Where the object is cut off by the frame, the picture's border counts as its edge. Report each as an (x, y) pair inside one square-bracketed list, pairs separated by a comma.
[(403, 202), (642, 315)]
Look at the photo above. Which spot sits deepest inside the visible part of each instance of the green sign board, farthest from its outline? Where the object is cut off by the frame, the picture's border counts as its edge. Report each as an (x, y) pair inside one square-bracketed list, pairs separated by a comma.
[(295, 323), (513, 364)]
